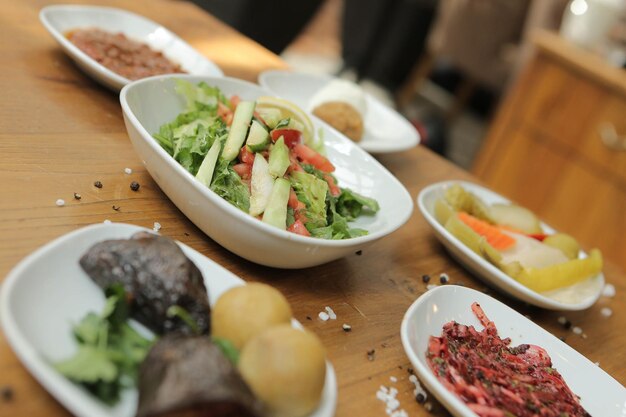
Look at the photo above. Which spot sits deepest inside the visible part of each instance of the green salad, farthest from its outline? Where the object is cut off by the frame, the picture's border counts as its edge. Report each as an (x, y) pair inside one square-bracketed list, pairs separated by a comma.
[(262, 157)]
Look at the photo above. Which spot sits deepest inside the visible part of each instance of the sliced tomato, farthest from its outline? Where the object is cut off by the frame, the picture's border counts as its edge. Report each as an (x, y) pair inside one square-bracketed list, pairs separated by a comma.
[(234, 101), (291, 136), (309, 156), (332, 185), (298, 228), (294, 164), (539, 236), (225, 113), (300, 215), (293, 202), (246, 156), (243, 170)]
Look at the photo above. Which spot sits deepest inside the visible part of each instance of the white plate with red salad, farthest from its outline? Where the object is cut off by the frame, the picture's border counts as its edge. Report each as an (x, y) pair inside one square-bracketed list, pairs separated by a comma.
[(256, 174), (600, 394)]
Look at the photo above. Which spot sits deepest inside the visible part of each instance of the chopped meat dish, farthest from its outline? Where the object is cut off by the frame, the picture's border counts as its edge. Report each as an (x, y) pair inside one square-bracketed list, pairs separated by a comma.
[(496, 380), (126, 57)]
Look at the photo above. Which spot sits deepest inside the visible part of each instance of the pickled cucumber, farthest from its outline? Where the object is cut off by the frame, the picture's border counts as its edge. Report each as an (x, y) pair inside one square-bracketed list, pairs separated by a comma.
[(464, 233), (443, 211), (565, 243), (561, 275), (462, 200), (515, 217)]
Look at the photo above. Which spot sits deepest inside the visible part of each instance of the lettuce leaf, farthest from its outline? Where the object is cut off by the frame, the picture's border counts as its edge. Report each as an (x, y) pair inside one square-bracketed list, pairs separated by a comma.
[(228, 185), (201, 96), (338, 227), (351, 205), (312, 191)]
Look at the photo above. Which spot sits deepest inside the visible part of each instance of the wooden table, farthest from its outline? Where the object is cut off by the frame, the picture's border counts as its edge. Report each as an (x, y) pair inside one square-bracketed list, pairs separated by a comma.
[(60, 132)]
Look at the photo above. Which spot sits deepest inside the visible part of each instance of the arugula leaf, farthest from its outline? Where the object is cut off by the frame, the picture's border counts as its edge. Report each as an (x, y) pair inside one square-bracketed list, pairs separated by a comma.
[(228, 185), (89, 364)]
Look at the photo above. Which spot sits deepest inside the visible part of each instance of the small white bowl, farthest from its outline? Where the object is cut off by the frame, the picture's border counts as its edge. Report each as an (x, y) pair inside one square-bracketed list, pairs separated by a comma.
[(149, 103), (60, 19), (385, 129), (48, 292), (576, 297), (601, 395)]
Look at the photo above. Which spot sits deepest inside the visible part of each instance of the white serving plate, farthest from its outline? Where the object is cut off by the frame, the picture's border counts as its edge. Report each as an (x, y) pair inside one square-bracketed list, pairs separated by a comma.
[(149, 103), (48, 292), (60, 19), (576, 297), (385, 129), (601, 395)]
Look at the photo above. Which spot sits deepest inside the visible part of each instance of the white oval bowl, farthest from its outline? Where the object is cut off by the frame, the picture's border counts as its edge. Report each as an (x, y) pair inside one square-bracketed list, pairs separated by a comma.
[(149, 103), (38, 310), (60, 19), (576, 297), (601, 394), (385, 129)]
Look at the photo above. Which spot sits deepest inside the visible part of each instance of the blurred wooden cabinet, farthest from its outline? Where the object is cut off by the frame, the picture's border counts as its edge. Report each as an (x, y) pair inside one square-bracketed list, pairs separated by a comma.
[(558, 145)]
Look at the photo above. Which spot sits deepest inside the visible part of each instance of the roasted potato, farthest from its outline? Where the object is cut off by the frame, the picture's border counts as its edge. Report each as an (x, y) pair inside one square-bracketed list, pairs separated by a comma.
[(286, 369), (243, 312)]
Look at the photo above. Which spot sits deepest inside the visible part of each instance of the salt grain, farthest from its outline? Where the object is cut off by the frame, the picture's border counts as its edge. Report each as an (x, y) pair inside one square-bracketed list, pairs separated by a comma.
[(606, 312), (156, 227), (428, 407), (562, 320), (419, 393), (393, 379), (331, 313), (392, 404), (577, 330), (60, 202), (128, 171), (323, 316), (608, 290), (106, 221), (346, 327)]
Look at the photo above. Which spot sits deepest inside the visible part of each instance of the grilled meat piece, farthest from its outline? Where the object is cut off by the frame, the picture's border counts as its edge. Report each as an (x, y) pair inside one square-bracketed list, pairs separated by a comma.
[(189, 377), (156, 275)]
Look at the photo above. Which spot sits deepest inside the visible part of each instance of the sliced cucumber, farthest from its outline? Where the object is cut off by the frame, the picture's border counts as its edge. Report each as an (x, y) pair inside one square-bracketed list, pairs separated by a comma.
[(261, 185), (205, 172), (276, 210), (279, 158), (258, 138), (238, 129), (270, 115)]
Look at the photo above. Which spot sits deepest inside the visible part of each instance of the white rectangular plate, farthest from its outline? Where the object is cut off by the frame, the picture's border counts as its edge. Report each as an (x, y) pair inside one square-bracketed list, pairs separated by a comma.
[(576, 297), (48, 292), (147, 104), (601, 395), (385, 129), (60, 19)]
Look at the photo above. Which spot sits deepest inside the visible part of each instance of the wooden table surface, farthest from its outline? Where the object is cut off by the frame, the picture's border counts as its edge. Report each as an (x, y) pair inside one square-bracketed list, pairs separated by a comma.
[(60, 132)]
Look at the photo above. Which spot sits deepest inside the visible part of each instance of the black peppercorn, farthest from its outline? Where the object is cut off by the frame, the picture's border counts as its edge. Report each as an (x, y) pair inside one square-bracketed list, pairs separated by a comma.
[(425, 278), (134, 186), (97, 184)]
